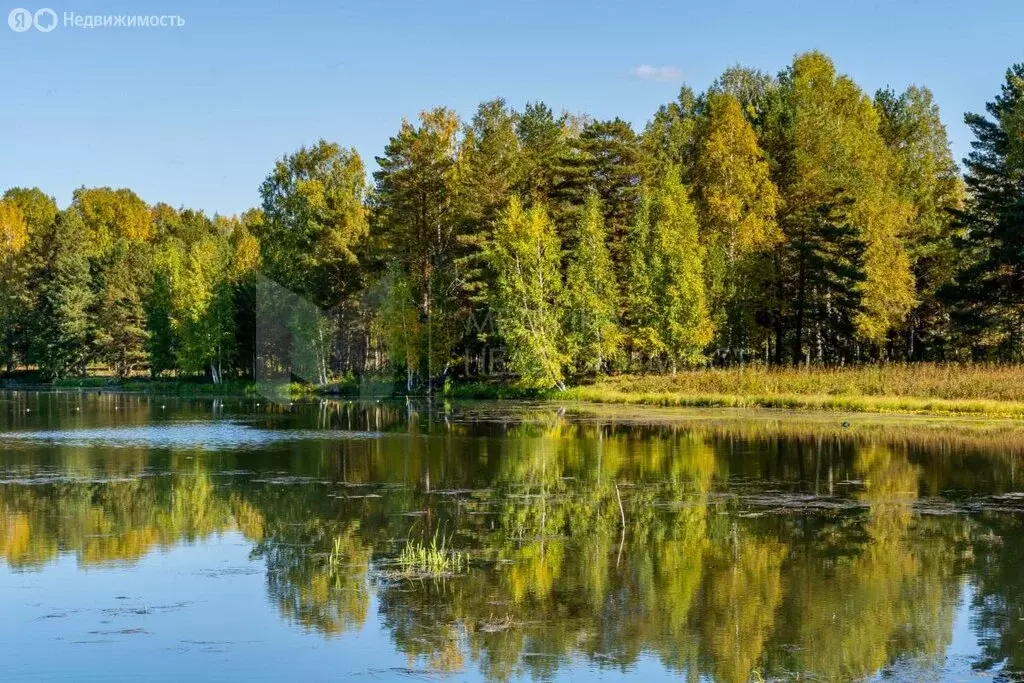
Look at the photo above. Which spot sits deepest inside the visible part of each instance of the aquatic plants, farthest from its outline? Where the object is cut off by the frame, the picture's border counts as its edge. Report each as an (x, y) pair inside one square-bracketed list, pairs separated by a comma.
[(434, 560)]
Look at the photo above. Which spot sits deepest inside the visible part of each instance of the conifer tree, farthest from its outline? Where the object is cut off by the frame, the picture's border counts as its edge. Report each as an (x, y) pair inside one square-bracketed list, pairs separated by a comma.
[(604, 158), (161, 342), (491, 168), (418, 212), (989, 296), (59, 333), (120, 327), (829, 152)]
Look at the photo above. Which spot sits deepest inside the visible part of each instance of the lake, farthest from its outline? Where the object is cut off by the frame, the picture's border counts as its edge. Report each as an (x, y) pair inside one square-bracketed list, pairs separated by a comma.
[(151, 538)]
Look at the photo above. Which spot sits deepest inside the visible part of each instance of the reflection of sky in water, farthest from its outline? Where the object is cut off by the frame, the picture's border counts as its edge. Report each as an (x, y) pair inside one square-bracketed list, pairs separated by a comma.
[(194, 547), (219, 435), (189, 613), (139, 617)]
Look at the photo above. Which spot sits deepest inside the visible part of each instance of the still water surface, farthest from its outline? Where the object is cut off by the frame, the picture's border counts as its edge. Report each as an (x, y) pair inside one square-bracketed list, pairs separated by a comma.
[(148, 538)]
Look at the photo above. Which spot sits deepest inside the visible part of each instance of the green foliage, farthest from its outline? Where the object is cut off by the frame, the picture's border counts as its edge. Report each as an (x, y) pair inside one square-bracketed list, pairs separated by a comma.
[(417, 211), (436, 560), (643, 262), (120, 318), (203, 308), (989, 297), (161, 343), (837, 152), (59, 335), (668, 139), (738, 203), (591, 310), (18, 299), (790, 218), (110, 215), (400, 324), (927, 178), (525, 258), (314, 216), (605, 158), (684, 323)]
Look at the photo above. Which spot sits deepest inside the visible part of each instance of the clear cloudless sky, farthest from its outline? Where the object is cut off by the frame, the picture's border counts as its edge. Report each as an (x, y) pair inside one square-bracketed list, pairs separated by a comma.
[(196, 115)]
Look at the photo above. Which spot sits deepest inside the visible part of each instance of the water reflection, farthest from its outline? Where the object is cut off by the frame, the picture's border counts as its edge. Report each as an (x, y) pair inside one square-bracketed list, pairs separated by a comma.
[(724, 548)]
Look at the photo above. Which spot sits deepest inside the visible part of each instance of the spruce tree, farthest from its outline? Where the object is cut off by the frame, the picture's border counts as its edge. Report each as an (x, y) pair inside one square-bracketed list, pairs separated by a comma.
[(120, 316), (59, 337)]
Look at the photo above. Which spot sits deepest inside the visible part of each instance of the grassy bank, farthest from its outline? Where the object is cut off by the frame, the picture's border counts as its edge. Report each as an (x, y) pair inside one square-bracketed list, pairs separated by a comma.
[(996, 390), (949, 389)]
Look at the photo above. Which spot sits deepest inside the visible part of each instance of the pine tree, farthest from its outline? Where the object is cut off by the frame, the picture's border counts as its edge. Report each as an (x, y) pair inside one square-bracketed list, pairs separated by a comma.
[(604, 158), (828, 151), (418, 213), (543, 141), (824, 254), (593, 337), (989, 296), (161, 341), (525, 256), (491, 166)]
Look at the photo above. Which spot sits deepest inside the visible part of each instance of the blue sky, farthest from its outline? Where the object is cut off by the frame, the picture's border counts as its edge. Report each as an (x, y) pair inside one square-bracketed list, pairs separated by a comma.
[(197, 115)]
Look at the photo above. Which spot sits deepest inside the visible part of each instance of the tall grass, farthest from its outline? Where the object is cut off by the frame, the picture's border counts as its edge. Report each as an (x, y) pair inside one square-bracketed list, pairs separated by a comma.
[(976, 389), (994, 382), (437, 559)]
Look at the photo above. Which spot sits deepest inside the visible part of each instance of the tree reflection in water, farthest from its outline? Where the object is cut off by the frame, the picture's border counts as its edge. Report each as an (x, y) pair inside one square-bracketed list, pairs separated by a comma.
[(738, 550)]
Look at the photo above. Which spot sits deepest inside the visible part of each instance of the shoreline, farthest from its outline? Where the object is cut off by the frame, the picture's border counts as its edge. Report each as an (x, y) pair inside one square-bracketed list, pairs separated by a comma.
[(624, 391)]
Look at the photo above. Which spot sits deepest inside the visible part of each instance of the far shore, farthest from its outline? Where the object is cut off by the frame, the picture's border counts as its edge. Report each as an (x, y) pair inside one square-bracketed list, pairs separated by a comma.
[(984, 390)]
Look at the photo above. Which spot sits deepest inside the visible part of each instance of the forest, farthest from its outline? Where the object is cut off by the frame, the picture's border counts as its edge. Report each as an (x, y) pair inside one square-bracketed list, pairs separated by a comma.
[(791, 219)]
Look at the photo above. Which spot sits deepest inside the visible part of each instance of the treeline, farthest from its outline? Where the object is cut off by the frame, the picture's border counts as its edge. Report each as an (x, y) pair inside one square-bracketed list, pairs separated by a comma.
[(785, 219)]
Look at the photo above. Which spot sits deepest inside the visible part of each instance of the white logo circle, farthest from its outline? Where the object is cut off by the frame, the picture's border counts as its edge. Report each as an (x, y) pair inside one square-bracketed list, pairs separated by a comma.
[(20, 19), (43, 26)]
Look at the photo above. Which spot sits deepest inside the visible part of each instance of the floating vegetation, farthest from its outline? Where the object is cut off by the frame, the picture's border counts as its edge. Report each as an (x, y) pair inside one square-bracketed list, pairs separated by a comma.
[(436, 560)]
